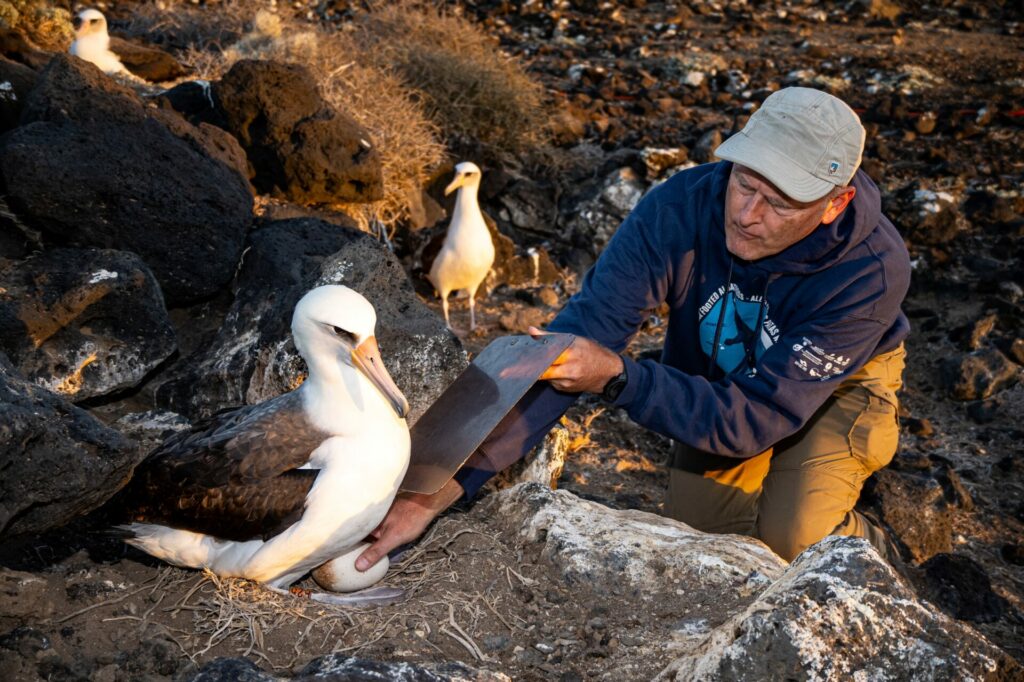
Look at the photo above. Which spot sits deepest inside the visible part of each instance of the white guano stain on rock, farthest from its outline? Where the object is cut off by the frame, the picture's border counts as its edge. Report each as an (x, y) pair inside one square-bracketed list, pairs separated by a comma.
[(101, 275), (642, 550)]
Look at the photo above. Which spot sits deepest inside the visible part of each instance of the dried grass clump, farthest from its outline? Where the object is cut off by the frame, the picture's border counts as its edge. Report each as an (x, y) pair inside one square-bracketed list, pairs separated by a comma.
[(183, 26), (469, 87), (47, 26)]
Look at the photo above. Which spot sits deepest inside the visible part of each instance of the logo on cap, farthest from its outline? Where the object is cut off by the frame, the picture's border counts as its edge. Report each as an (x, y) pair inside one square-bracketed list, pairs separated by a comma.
[(833, 167)]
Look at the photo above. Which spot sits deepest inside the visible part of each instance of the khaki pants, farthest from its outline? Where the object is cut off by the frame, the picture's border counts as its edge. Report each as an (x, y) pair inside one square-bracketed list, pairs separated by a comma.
[(804, 487)]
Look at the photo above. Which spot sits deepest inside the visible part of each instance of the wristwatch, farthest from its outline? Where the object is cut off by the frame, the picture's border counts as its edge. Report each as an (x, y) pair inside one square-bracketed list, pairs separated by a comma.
[(614, 387)]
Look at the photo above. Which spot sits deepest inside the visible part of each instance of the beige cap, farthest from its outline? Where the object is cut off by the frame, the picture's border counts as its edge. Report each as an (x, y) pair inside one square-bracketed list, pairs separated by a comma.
[(804, 141)]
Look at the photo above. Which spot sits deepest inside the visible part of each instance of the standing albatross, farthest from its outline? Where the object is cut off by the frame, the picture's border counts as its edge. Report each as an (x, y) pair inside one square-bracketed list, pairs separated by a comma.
[(468, 252), (272, 491)]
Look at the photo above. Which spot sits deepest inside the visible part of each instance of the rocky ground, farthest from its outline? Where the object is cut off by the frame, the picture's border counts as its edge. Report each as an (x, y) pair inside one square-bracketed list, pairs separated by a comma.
[(941, 88)]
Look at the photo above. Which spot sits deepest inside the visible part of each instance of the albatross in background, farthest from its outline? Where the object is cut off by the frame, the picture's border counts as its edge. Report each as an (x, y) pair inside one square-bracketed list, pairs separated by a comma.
[(272, 491), (114, 55), (92, 42), (468, 252)]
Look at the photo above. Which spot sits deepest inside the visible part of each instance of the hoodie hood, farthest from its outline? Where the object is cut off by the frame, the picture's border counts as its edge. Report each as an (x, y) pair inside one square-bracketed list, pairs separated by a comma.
[(828, 243)]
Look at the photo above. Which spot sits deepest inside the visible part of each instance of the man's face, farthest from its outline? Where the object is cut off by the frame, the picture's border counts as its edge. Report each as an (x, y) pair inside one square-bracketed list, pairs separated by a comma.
[(760, 220)]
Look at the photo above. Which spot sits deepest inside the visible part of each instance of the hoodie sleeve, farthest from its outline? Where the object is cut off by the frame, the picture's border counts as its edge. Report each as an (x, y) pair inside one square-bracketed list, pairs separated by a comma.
[(746, 413), (628, 281)]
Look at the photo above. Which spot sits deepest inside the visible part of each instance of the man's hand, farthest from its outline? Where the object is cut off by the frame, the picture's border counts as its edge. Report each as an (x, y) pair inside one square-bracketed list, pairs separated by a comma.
[(583, 366), (409, 516)]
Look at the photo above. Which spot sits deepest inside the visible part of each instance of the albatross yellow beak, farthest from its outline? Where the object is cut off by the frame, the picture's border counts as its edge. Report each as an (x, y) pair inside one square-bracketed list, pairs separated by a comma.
[(454, 184), (366, 357)]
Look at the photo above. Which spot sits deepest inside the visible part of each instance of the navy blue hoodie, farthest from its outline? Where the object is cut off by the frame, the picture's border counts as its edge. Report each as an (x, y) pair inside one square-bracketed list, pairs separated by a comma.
[(752, 349)]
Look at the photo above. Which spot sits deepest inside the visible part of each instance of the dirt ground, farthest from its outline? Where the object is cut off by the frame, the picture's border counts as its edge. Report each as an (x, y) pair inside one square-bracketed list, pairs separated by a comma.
[(95, 610)]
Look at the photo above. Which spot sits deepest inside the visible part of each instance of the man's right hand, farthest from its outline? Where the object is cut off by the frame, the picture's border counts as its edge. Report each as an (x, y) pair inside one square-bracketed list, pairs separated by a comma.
[(409, 516)]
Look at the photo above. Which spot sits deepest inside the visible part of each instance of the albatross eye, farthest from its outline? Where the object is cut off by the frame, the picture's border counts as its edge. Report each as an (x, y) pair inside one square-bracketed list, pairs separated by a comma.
[(344, 334)]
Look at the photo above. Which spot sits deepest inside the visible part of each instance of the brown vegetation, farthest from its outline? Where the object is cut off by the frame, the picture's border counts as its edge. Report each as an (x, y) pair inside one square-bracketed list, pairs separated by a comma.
[(46, 25), (468, 86)]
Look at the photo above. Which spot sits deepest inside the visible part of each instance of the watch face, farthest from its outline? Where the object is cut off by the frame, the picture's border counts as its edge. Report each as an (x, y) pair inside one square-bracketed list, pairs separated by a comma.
[(614, 387)]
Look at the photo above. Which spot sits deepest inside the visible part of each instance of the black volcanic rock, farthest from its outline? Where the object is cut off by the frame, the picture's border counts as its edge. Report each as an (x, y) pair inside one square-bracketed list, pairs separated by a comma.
[(58, 461), (90, 166), (962, 588), (16, 81), (193, 100), (300, 147), (83, 323)]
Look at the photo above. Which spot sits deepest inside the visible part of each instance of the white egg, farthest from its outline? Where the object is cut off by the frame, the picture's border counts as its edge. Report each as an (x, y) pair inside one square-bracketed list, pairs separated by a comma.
[(341, 575)]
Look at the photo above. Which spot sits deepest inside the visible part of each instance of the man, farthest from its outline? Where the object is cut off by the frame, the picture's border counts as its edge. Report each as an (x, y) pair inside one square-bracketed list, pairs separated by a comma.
[(783, 351)]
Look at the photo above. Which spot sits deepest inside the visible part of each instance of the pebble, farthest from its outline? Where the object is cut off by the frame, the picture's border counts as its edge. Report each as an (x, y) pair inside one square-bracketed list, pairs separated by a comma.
[(926, 123)]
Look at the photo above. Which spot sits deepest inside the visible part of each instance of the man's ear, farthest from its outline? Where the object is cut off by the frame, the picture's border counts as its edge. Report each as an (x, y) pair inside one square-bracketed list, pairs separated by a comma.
[(838, 204)]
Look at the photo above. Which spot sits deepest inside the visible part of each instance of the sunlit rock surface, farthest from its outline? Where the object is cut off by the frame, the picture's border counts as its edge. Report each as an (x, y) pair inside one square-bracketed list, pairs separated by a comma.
[(839, 612), (83, 322), (253, 357), (300, 146), (58, 461), (980, 374), (637, 551), (915, 508)]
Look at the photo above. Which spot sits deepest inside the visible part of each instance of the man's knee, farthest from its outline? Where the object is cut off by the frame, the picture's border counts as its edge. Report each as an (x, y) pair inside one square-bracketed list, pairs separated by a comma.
[(709, 506), (788, 540), (799, 508)]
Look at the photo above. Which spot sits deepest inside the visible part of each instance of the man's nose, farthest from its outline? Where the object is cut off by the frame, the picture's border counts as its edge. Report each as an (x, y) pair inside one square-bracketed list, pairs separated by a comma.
[(750, 211)]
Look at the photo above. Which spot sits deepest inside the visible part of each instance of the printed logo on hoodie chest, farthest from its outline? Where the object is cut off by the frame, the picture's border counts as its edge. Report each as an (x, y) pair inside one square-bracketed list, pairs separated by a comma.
[(741, 325)]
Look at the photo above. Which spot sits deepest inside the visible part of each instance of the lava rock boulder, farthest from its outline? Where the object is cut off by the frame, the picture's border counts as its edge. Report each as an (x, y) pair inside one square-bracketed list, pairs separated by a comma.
[(301, 148), (59, 462), (840, 597), (92, 166), (83, 323)]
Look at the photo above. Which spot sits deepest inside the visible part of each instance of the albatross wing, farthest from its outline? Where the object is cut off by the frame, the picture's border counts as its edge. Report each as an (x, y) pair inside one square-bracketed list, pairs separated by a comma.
[(235, 475)]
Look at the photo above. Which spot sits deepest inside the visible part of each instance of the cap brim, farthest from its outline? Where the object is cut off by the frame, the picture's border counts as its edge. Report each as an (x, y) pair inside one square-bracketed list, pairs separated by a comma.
[(778, 169)]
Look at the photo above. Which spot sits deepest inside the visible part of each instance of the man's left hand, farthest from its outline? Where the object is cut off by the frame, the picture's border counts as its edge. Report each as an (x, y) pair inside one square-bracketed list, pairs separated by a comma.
[(583, 366)]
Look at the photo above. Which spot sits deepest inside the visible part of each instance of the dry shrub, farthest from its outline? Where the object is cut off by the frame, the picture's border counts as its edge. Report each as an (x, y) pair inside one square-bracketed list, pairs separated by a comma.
[(407, 140), (182, 26), (469, 87), (47, 26)]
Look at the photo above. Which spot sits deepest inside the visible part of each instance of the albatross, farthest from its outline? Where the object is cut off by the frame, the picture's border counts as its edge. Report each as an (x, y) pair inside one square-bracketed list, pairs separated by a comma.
[(272, 491), (114, 55), (92, 42), (468, 252)]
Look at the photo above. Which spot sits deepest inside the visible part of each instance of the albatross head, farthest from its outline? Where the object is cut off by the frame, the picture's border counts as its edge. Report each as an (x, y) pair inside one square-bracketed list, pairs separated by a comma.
[(467, 174), (335, 320), (90, 22)]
